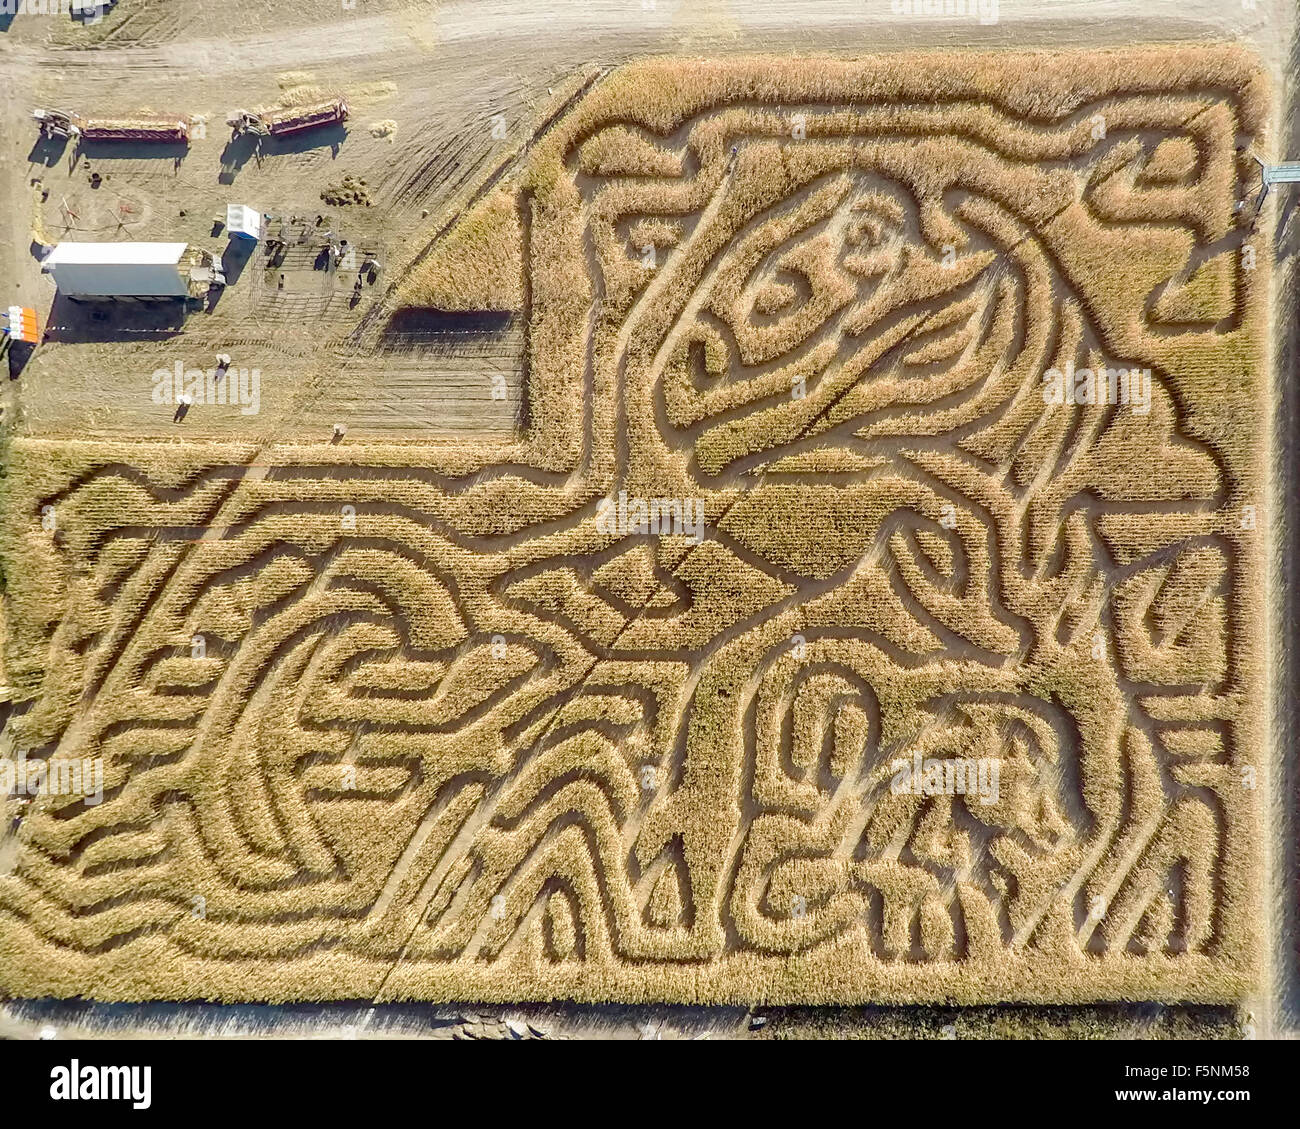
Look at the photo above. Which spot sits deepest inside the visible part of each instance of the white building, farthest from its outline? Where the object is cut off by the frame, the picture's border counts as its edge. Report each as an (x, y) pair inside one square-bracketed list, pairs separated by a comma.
[(118, 270)]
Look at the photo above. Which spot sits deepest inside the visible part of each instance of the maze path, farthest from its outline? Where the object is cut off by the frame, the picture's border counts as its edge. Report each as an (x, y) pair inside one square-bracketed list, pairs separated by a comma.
[(426, 726)]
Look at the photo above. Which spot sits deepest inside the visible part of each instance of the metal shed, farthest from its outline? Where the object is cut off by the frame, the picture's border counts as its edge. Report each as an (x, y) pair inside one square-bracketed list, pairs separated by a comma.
[(118, 270)]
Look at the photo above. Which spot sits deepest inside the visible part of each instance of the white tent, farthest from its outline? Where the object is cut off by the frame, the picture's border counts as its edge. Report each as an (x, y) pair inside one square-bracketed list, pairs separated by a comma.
[(118, 270), (243, 220)]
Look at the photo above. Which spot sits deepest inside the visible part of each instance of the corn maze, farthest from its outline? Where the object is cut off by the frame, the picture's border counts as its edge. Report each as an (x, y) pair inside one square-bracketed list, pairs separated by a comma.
[(449, 720)]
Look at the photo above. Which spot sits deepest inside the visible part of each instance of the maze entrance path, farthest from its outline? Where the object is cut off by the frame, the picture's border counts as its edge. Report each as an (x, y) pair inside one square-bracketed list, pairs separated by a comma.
[(957, 696)]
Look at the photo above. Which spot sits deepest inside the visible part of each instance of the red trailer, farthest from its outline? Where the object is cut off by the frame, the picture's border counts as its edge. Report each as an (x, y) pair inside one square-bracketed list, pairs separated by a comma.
[(294, 119), (134, 129)]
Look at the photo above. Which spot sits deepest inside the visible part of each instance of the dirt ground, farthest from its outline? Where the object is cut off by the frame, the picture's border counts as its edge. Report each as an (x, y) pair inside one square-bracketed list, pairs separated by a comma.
[(442, 95), (452, 77)]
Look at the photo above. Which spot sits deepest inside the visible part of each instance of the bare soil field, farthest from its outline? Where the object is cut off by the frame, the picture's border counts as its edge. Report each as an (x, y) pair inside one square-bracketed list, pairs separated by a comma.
[(945, 684)]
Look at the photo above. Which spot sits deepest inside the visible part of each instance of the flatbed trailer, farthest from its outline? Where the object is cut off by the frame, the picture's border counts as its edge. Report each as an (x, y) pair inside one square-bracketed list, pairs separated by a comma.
[(60, 123), (283, 121), (134, 129), (298, 118)]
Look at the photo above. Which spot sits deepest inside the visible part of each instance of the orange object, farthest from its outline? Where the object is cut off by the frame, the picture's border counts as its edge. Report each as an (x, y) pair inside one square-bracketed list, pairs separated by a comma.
[(23, 325)]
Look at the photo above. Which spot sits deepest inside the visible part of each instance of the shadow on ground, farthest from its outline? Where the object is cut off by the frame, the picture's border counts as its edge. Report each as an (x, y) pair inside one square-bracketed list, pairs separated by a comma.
[(75, 321), (361, 1019)]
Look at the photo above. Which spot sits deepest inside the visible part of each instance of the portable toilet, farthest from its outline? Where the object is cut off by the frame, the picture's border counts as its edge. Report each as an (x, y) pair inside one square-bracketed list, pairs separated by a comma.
[(243, 221), (22, 325)]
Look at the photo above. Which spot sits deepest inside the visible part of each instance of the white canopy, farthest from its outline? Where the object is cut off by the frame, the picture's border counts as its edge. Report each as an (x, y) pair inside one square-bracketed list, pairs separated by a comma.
[(126, 270), (243, 220)]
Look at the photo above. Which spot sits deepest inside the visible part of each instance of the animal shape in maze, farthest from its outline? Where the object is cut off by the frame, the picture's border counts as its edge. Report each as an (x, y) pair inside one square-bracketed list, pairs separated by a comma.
[(954, 697)]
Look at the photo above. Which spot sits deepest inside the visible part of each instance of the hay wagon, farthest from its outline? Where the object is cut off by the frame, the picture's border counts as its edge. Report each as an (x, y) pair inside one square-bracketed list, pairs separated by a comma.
[(284, 121)]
